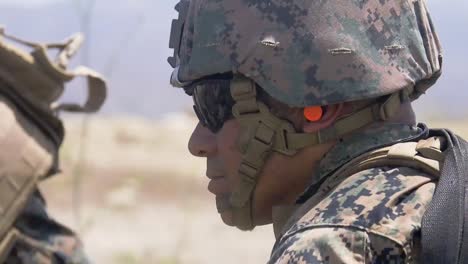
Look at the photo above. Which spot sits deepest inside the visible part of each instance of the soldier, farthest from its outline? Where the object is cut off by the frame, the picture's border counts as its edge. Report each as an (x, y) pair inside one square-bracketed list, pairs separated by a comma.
[(305, 120), (30, 136)]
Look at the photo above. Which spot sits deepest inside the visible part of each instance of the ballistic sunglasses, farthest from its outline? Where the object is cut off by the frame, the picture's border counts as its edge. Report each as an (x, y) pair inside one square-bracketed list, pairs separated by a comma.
[(212, 102)]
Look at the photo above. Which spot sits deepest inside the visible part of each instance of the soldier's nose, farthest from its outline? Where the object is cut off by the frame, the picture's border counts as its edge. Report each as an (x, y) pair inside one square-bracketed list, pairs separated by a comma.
[(202, 143)]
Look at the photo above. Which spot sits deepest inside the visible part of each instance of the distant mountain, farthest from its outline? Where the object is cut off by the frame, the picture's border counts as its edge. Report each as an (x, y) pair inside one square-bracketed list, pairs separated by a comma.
[(129, 43)]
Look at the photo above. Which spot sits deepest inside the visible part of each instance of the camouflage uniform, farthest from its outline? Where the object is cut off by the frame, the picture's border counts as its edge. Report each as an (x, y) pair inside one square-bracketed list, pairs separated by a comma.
[(42, 240), (373, 216)]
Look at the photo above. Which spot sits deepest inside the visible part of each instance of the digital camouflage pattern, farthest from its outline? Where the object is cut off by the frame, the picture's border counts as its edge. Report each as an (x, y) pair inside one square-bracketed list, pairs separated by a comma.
[(373, 216), (310, 52), (41, 240)]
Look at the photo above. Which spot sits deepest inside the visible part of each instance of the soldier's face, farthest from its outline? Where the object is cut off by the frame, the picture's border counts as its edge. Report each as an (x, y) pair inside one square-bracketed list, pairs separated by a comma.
[(281, 181)]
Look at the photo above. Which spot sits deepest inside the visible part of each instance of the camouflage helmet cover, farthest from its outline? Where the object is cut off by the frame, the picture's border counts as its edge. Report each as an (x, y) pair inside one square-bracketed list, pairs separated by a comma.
[(306, 52)]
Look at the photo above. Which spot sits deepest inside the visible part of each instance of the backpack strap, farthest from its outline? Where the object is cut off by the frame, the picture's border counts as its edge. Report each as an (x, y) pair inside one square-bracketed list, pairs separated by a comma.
[(444, 225)]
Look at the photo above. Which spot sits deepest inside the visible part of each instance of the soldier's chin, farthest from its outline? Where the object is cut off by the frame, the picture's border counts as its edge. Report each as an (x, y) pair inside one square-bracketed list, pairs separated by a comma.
[(227, 218)]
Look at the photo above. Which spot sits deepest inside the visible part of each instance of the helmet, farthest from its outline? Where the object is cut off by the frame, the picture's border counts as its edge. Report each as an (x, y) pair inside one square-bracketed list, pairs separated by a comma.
[(302, 53), (309, 52)]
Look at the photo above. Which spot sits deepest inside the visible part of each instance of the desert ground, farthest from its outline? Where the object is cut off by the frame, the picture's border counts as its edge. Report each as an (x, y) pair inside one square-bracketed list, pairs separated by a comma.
[(135, 195)]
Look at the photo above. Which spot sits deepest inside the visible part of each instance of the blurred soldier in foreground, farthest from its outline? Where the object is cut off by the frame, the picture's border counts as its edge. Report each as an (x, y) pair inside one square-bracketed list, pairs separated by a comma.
[(306, 122), (30, 137)]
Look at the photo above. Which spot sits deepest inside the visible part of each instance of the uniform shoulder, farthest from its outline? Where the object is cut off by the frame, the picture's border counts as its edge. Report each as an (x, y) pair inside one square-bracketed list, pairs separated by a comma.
[(387, 201)]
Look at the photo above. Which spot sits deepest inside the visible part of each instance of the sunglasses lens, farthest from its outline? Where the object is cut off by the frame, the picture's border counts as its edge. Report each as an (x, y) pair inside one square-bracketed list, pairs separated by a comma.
[(213, 103)]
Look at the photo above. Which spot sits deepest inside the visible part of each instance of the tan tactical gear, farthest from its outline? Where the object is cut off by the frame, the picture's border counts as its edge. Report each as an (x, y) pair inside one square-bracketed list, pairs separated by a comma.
[(41, 80), (26, 156), (30, 132)]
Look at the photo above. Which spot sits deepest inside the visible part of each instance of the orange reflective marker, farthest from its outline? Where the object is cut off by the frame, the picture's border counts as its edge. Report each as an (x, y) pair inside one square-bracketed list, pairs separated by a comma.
[(313, 113)]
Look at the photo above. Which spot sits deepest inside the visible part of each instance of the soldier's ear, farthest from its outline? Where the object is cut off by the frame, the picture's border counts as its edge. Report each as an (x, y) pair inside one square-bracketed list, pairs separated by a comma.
[(330, 115)]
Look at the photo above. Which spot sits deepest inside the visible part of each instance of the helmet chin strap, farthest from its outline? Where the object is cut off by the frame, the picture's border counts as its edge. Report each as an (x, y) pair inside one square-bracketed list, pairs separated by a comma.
[(262, 133)]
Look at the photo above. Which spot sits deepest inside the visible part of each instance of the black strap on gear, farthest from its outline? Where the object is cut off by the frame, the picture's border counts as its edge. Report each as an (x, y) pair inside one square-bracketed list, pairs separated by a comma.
[(445, 223)]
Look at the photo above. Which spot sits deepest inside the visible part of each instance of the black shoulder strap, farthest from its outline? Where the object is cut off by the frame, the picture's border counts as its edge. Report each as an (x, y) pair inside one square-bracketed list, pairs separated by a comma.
[(444, 225)]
